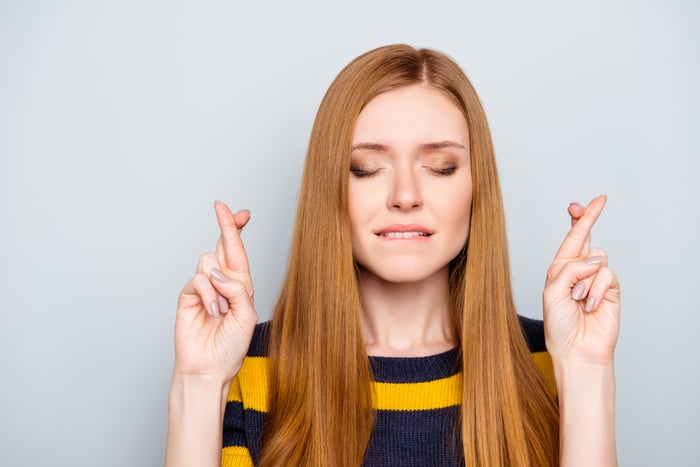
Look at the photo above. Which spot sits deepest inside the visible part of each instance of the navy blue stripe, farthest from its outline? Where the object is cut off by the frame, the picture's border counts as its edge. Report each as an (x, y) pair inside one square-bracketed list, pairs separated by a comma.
[(415, 438), (533, 329), (234, 429), (260, 341), (243, 427), (415, 369)]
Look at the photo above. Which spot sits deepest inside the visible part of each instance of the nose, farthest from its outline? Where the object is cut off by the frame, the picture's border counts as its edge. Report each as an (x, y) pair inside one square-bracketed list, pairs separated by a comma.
[(406, 194)]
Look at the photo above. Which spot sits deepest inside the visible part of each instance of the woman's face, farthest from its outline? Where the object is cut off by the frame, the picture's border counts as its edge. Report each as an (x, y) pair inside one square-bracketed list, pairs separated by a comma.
[(410, 184)]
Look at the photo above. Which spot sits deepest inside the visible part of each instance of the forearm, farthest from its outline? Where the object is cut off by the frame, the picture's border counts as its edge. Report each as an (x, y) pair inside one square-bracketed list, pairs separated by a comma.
[(587, 415), (195, 418)]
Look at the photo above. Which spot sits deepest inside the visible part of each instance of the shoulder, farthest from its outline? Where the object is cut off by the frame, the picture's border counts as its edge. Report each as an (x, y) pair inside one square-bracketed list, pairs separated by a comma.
[(247, 404), (260, 342), (250, 386), (533, 329)]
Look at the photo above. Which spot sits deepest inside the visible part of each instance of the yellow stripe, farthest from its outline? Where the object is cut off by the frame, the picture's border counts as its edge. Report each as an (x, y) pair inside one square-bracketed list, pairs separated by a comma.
[(544, 363), (234, 391), (236, 456), (251, 386), (418, 396)]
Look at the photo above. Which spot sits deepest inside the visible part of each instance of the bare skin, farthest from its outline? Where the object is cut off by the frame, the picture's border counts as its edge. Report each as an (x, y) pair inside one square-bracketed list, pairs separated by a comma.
[(409, 198), (582, 318), (213, 329), (210, 349)]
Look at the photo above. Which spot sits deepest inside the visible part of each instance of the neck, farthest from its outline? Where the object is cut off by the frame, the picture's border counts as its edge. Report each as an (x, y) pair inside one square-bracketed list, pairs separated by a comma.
[(406, 319)]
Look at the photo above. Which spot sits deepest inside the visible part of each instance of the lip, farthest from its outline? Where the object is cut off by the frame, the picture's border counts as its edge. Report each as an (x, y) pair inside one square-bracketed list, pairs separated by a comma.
[(400, 230)]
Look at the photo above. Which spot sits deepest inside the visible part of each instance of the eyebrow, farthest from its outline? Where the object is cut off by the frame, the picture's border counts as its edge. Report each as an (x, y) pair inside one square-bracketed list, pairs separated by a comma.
[(425, 147)]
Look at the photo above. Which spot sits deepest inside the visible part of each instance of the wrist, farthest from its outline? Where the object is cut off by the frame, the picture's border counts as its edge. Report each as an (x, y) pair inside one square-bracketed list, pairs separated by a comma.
[(208, 380), (196, 406), (570, 365), (573, 369), (188, 391), (586, 393), (584, 376)]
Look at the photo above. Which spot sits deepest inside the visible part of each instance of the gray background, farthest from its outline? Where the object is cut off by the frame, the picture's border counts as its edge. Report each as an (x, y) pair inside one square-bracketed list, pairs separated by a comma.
[(121, 122)]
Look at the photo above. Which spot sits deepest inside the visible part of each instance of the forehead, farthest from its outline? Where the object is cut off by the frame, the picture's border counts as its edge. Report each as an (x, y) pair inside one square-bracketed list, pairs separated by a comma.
[(411, 114)]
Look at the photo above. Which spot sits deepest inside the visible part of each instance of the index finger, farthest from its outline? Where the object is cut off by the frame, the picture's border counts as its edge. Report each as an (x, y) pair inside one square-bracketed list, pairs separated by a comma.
[(577, 238), (234, 254)]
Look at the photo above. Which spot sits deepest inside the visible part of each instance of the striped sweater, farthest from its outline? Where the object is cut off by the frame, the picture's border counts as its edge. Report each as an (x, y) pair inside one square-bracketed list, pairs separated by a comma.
[(417, 402)]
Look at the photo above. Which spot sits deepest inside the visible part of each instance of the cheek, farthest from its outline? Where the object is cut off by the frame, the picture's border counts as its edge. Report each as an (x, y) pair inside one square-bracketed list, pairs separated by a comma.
[(359, 213), (355, 203), (456, 209), (454, 200), (364, 200)]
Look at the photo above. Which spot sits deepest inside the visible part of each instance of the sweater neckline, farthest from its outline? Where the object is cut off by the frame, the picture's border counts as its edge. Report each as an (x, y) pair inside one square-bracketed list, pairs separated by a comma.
[(415, 369)]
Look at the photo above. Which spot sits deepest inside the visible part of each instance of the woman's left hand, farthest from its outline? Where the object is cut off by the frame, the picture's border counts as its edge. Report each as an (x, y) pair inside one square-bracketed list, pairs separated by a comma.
[(581, 296)]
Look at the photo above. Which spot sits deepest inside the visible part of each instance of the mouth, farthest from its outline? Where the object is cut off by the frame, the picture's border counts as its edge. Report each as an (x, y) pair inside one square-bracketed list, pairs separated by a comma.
[(403, 234), (399, 231)]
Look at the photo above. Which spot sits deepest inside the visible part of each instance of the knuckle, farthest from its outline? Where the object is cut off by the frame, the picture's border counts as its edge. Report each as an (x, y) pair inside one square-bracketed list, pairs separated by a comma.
[(572, 271), (567, 268), (597, 251), (187, 288), (554, 271), (204, 260), (606, 273), (238, 287), (199, 280), (546, 293)]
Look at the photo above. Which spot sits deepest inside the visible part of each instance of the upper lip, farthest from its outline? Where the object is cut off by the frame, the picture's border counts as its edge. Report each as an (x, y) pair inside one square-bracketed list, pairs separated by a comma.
[(404, 228)]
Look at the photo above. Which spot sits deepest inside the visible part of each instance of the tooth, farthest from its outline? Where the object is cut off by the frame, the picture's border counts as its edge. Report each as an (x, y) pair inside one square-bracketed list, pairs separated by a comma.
[(404, 234)]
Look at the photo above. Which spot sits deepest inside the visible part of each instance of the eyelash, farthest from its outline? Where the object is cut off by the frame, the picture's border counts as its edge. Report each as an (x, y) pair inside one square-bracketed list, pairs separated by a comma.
[(442, 171), (359, 173), (448, 170)]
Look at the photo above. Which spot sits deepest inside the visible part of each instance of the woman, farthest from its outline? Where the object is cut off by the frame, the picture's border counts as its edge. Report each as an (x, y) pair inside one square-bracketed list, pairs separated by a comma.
[(395, 339)]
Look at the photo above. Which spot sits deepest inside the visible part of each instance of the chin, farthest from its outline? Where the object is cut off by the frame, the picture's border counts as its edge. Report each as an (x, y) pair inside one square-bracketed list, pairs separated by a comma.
[(404, 272)]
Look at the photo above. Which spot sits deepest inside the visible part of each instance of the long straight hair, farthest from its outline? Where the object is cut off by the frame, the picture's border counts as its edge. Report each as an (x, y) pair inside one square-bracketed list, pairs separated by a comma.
[(320, 407)]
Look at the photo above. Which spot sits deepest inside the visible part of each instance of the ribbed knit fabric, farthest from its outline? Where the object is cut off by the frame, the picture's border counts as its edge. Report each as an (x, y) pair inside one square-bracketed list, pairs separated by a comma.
[(417, 402)]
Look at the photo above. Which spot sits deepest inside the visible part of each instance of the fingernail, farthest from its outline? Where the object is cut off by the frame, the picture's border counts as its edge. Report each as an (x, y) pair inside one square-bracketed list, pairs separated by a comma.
[(578, 291), (597, 259), (223, 304), (214, 309), (574, 203), (219, 276), (243, 210), (590, 303)]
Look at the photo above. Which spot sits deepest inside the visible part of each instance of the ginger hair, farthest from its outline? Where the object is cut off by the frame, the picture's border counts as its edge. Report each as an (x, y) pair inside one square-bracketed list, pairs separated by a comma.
[(320, 403)]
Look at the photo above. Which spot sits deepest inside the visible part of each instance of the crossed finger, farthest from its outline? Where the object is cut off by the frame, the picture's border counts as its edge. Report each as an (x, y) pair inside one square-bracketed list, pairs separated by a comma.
[(577, 210), (229, 249), (577, 242), (583, 288), (208, 263), (587, 281)]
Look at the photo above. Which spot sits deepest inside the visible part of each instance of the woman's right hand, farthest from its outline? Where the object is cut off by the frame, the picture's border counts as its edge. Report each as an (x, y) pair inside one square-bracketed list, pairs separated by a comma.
[(215, 317)]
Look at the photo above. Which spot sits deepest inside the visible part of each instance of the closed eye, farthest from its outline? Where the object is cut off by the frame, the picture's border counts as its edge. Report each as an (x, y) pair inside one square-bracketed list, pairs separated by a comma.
[(446, 170), (360, 172)]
